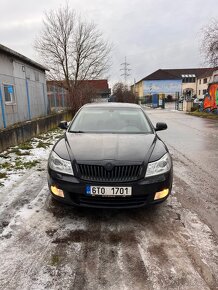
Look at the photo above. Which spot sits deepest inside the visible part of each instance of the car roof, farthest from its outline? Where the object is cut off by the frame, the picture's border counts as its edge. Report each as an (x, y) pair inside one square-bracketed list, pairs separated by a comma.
[(111, 105)]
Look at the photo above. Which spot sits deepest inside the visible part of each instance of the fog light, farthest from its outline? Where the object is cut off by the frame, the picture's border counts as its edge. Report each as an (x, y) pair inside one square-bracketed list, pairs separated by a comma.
[(57, 191), (161, 194)]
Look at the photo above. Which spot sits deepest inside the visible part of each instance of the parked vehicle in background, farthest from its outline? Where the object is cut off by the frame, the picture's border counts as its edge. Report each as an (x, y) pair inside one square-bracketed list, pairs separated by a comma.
[(112, 98), (198, 100)]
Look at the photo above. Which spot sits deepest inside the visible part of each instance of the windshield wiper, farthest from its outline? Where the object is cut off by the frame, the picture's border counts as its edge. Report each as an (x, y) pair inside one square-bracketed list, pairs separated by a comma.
[(77, 131)]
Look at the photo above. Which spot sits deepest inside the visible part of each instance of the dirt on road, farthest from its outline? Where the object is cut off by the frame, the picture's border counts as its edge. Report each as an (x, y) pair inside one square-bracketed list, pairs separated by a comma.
[(46, 245)]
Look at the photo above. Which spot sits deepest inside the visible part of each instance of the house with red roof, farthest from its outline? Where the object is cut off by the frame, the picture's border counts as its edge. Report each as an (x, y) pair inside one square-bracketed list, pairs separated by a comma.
[(58, 93)]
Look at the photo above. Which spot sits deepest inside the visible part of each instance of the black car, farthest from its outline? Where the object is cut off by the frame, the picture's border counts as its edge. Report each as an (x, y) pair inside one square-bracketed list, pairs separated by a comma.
[(110, 156)]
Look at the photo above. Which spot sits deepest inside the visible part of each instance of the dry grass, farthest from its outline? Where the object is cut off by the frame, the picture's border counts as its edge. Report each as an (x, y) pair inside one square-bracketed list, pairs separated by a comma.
[(204, 115)]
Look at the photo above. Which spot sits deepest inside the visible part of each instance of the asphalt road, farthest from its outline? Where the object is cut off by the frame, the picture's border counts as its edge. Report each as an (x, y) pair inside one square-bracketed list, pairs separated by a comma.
[(193, 142), (44, 245)]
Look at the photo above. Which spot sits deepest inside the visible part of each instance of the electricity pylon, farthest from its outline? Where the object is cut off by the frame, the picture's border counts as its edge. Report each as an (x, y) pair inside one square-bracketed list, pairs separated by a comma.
[(125, 69)]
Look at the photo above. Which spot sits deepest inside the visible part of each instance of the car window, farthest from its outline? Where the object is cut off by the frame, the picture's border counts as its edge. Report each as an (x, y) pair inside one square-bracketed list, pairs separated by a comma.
[(111, 120)]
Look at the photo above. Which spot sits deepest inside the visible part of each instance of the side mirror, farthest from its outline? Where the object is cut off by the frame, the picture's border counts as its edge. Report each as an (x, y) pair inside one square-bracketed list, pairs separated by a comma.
[(63, 125), (160, 126)]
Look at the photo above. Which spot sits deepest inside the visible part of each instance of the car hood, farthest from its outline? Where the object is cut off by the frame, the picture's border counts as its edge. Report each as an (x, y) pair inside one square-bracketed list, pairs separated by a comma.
[(117, 147)]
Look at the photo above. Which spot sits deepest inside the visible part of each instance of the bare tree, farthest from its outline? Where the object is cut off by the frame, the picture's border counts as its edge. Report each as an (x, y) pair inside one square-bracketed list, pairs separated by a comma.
[(73, 49), (55, 43), (209, 43), (123, 94), (91, 52)]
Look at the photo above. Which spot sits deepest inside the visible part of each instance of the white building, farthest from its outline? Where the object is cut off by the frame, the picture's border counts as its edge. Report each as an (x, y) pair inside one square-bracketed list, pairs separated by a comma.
[(190, 82), (23, 94)]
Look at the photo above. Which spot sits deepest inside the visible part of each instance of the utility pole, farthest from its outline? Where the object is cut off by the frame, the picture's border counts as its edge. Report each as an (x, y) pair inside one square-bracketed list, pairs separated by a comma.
[(125, 69)]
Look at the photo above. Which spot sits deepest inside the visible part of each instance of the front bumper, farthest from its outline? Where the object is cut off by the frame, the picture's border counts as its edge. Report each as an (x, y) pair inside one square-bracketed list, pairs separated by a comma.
[(143, 191)]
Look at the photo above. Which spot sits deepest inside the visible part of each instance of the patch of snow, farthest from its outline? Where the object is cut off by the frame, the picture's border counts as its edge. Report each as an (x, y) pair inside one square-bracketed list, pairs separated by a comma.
[(14, 162)]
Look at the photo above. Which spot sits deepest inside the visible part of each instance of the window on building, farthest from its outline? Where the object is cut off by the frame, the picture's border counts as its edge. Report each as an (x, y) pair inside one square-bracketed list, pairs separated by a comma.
[(199, 81), (205, 81), (204, 92), (188, 80), (9, 93), (192, 79), (36, 76), (199, 92)]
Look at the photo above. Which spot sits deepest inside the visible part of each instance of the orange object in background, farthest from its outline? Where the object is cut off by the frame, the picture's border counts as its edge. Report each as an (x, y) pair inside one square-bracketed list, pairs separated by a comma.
[(207, 102), (213, 92), (211, 100)]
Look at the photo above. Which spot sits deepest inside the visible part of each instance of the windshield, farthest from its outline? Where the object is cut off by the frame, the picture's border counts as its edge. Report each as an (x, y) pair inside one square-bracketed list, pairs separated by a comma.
[(110, 120)]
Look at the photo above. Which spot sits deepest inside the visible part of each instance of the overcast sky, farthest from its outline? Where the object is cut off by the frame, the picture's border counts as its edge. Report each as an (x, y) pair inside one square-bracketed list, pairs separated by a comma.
[(152, 34)]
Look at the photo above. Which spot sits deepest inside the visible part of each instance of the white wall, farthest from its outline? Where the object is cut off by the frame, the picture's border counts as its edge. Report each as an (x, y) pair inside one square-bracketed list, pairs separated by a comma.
[(19, 74), (202, 86)]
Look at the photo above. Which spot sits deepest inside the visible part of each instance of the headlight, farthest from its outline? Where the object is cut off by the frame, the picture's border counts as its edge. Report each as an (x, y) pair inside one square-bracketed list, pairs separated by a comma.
[(160, 166), (56, 163)]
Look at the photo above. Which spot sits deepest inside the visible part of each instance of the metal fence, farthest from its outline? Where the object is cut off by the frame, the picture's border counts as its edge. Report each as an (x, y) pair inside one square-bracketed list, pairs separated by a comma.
[(58, 98)]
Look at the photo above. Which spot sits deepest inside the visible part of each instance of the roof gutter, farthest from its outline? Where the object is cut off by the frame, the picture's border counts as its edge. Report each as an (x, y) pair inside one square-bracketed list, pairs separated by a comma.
[(19, 56)]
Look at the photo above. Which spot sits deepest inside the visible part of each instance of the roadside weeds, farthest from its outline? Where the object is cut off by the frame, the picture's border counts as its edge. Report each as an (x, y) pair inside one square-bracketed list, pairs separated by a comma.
[(204, 115)]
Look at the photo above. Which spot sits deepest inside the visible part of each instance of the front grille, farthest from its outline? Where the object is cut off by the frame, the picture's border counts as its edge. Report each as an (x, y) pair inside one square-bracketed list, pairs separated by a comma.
[(117, 174)]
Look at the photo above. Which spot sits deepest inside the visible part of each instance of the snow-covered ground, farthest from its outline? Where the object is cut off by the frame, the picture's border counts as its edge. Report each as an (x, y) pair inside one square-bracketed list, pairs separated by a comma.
[(15, 161)]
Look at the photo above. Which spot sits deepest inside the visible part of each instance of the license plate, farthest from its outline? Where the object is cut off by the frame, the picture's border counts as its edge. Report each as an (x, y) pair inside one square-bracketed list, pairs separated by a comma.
[(108, 191)]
